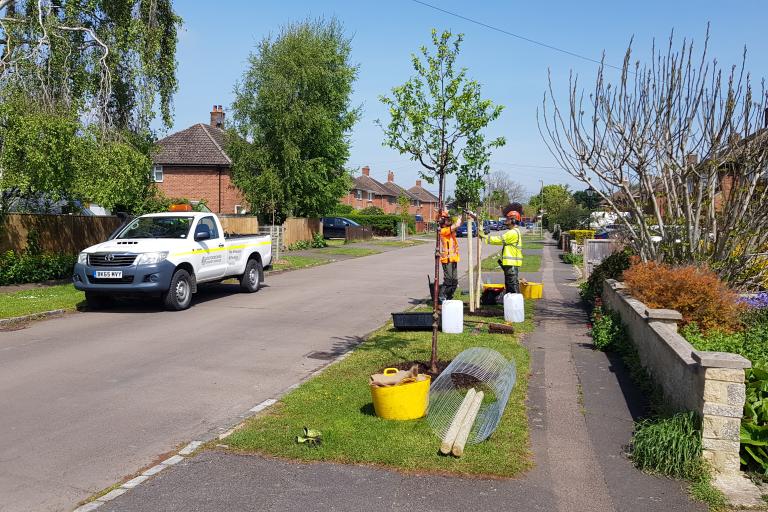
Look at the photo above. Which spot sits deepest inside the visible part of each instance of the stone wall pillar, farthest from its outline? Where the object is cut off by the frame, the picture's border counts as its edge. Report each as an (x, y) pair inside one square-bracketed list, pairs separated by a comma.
[(723, 397)]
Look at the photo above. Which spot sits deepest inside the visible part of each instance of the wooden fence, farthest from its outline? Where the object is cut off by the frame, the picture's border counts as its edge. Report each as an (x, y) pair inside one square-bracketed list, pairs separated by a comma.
[(73, 233), (354, 233), (239, 224), (596, 250), (297, 229), (66, 234)]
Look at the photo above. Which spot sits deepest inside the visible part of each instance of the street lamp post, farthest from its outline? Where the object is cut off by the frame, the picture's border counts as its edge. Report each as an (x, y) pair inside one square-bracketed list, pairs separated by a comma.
[(590, 194)]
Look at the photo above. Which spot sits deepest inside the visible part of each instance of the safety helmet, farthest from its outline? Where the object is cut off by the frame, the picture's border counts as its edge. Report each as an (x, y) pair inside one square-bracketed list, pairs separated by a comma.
[(443, 214), (513, 215)]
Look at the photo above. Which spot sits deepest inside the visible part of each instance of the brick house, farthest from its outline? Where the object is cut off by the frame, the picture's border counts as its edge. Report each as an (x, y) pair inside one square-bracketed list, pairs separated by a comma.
[(426, 202), (192, 164), (366, 191)]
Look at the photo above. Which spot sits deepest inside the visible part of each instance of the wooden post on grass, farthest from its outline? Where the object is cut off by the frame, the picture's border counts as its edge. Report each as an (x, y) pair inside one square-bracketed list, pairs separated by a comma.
[(471, 266), (479, 287), (466, 426)]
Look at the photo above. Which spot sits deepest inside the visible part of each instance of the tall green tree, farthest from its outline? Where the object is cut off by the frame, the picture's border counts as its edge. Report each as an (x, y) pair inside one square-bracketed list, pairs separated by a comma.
[(80, 82), (292, 121), (552, 200), (114, 60), (438, 118)]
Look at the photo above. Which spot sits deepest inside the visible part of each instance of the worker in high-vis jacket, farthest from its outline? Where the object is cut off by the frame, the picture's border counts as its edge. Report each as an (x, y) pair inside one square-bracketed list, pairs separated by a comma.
[(449, 254), (511, 250)]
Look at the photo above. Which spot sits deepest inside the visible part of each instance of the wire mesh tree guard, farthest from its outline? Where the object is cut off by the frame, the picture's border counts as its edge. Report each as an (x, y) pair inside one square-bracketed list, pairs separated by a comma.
[(482, 368)]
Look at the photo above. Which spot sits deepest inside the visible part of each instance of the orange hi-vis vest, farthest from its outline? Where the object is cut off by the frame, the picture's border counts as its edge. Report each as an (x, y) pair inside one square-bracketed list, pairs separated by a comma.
[(449, 246)]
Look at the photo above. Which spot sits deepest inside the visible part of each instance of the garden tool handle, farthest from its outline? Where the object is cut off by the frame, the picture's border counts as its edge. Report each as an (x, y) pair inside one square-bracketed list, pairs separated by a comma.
[(390, 371)]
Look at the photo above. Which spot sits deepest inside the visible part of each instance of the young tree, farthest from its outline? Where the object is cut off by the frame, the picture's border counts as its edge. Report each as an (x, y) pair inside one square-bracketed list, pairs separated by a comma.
[(679, 144), (292, 121), (438, 118)]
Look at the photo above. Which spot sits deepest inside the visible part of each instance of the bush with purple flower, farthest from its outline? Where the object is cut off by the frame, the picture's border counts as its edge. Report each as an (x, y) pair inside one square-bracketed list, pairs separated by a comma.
[(757, 309)]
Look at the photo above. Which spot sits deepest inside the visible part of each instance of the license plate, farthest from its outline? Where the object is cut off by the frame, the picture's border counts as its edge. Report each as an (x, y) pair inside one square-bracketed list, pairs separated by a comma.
[(108, 274)]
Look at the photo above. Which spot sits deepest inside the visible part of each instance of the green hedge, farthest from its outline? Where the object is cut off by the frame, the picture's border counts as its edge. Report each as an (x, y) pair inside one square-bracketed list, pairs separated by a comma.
[(383, 225), (19, 268)]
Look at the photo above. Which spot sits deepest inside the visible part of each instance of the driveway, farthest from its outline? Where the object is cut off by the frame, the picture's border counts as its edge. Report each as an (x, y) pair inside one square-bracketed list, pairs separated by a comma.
[(90, 398)]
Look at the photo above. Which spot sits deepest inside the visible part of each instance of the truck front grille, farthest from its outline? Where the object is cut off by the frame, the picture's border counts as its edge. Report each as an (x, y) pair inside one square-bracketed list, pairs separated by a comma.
[(111, 259), (122, 280)]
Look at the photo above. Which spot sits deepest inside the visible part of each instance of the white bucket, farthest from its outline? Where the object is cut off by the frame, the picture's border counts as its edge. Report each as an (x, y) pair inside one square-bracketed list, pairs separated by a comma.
[(514, 307), (453, 316)]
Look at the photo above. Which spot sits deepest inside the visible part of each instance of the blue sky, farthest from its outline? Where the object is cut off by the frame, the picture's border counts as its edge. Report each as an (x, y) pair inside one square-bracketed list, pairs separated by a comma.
[(217, 37)]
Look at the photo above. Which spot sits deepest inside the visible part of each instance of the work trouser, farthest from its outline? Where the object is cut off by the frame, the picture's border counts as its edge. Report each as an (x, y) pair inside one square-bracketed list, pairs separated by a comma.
[(450, 281), (511, 278)]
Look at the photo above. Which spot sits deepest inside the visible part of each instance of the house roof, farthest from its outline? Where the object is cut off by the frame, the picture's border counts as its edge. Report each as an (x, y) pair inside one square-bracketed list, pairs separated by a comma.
[(422, 194), (368, 184), (198, 145), (396, 190)]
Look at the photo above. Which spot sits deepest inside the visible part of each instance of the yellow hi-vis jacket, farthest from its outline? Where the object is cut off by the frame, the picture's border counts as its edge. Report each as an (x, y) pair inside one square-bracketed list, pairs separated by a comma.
[(512, 246)]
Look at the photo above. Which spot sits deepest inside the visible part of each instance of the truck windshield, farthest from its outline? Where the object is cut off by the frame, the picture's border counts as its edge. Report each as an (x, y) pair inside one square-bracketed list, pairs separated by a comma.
[(157, 227)]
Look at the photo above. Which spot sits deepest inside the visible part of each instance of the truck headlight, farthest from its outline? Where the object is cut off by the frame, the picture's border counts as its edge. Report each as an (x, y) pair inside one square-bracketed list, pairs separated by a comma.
[(150, 258), (82, 258)]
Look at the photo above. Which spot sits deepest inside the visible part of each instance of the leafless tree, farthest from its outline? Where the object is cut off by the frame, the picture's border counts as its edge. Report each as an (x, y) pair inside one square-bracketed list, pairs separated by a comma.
[(681, 146), (512, 190)]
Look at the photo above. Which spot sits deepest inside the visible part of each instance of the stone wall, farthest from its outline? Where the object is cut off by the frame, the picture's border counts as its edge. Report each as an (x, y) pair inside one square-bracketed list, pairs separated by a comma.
[(709, 383)]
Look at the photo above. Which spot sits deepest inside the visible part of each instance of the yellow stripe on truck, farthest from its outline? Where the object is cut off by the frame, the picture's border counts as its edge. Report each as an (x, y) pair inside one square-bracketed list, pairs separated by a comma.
[(219, 249)]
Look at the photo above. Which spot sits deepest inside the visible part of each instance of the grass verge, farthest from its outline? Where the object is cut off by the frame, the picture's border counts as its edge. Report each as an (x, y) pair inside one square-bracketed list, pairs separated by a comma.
[(531, 263), (295, 262), (338, 403), (350, 251), (39, 300)]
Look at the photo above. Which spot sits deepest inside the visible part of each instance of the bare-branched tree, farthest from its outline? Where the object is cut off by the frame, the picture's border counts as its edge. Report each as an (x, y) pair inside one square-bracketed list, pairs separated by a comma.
[(678, 147), (502, 184)]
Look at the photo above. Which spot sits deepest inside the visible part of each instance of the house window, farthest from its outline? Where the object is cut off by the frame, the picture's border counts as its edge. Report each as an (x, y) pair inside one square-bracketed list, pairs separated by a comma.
[(239, 210), (358, 195), (370, 196), (157, 174)]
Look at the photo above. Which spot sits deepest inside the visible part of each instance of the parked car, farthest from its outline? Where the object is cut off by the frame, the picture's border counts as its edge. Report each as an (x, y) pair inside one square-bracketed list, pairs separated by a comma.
[(336, 227), (529, 225), (488, 226), (168, 255), (462, 230)]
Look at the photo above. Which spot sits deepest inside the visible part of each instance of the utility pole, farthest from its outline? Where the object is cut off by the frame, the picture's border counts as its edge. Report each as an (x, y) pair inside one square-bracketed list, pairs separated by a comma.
[(541, 209)]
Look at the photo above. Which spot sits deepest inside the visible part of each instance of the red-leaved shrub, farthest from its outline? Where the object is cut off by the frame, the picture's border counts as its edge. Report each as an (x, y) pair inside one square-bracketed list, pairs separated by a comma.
[(695, 292)]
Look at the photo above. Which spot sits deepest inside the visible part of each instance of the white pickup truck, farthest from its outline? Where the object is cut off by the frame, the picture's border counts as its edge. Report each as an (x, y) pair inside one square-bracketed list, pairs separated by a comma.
[(169, 254)]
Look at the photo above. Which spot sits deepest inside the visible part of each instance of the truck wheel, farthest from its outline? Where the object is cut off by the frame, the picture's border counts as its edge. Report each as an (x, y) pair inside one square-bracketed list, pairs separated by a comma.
[(96, 301), (179, 294), (250, 281)]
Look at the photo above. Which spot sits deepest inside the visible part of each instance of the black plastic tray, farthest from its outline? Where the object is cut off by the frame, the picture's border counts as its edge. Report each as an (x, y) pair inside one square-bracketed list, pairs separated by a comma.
[(412, 321)]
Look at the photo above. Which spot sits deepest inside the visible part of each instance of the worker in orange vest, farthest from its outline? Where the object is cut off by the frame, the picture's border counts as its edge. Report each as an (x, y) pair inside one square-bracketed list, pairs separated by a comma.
[(449, 254)]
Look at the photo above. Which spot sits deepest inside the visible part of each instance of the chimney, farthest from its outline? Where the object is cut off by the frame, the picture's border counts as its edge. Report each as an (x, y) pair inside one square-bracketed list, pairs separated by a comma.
[(418, 183), (691, 159), (217, 117), (391, 177), (366, 171)]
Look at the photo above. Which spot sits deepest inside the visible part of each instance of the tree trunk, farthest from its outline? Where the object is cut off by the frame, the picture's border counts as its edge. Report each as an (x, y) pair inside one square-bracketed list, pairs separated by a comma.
[(436, 284)]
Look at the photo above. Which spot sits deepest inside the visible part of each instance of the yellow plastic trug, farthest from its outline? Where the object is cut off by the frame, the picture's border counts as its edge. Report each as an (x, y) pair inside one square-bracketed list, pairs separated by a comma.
[(532, 290), (402, 402)]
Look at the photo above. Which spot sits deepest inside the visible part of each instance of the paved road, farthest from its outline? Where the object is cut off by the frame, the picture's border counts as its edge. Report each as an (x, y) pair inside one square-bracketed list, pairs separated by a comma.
[(90, 398), (580, 406)]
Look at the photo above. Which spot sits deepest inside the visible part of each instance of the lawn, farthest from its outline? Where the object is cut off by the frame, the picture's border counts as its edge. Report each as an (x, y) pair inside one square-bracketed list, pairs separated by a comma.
[(295, 262), (350, 251), (338, 403), (38, 300), (531, 263)]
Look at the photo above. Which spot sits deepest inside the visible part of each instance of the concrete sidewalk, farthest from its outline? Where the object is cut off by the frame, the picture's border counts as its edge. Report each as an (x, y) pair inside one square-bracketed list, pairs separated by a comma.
[(581, 408)]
